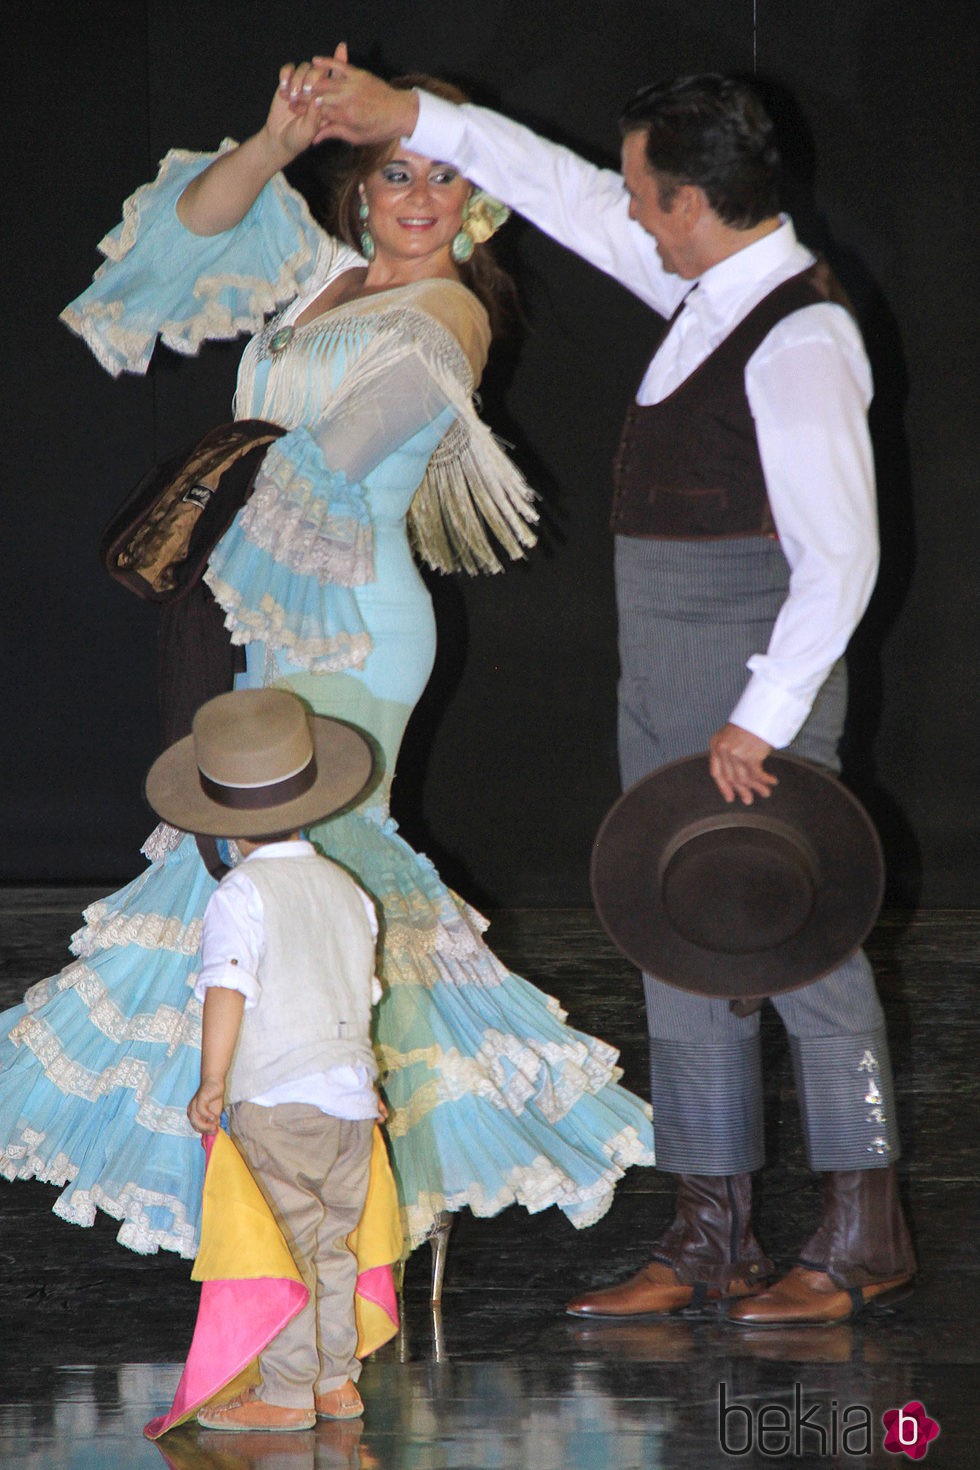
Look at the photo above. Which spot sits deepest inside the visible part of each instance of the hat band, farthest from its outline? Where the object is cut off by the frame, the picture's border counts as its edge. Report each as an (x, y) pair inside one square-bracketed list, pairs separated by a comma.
[(255, 798)]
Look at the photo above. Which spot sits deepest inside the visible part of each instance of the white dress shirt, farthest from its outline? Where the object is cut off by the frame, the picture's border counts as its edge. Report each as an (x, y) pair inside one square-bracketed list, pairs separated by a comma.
[(232, 942), (808, 386)]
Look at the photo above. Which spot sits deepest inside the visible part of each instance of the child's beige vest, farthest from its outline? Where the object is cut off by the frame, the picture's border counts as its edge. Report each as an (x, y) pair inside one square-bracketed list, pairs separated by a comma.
[(314, 1011)]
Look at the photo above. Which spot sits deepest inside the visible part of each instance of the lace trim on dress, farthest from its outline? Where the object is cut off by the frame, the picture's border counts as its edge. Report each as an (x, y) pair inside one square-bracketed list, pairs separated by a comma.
[(284, 570), (303, 531), (250, 295), (166, 1026), (505, 1072), (74, 1080), (120, 241), (118, 348), (422, 948), (114, 347), (162, 841), (536, 1186), (137, 1231), (268, 623), (131, 1205), (105, 927)]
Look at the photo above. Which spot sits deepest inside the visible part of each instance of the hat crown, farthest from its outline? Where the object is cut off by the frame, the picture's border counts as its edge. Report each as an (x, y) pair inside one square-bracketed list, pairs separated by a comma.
[(252, 738), (258, 762)]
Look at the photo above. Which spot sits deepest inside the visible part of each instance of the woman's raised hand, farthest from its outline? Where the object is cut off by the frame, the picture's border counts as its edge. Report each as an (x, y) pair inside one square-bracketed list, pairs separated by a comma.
[(295, 115)]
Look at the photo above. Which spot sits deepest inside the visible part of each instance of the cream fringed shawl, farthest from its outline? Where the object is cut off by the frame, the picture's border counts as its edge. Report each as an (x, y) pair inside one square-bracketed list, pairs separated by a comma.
[(366, 375)]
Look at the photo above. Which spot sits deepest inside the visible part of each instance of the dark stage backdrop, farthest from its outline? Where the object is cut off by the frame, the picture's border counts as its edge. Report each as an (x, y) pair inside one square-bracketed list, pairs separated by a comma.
[(510, 762)]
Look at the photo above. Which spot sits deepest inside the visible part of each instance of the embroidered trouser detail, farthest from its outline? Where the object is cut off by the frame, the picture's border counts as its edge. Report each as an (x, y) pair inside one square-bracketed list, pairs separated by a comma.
[(847, 1102)]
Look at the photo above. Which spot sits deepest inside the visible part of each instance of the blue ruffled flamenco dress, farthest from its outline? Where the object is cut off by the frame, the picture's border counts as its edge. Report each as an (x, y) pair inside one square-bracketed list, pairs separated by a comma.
[(493, 1098)]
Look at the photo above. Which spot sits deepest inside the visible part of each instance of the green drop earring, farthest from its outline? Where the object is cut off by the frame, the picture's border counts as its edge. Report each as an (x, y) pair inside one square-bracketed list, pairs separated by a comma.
[(367, 239), (462, 247)]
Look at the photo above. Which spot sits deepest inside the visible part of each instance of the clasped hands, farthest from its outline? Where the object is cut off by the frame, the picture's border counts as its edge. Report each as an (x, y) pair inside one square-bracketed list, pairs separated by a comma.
[(326, 97)]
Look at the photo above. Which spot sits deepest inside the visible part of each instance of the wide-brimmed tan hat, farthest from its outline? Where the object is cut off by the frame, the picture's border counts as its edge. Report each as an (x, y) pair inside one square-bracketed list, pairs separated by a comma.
[(257, 763), (733, 900)]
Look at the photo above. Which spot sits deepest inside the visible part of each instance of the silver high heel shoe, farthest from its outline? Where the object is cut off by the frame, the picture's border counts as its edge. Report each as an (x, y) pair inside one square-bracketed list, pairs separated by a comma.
[(438, 1238)]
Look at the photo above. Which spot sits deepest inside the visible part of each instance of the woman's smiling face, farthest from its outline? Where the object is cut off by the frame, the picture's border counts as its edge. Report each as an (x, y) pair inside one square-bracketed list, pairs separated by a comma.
[(415, 207)]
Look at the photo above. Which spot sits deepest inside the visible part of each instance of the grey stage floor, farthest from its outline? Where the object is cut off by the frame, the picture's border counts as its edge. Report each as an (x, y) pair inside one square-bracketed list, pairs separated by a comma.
[(91, 1336)]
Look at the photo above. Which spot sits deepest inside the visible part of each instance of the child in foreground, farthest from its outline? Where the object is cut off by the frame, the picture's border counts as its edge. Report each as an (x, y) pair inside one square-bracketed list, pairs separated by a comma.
[(287, 982)]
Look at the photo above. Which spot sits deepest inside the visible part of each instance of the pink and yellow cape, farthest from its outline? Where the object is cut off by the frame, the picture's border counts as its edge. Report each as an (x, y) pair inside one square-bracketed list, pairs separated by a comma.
[(250, 1287)]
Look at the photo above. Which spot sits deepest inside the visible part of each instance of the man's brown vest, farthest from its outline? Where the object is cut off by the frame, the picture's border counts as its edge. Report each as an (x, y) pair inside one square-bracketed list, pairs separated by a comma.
[(688, 468)]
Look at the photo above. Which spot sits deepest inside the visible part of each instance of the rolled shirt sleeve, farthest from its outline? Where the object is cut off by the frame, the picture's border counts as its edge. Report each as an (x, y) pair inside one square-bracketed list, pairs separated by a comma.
[(232, 936)]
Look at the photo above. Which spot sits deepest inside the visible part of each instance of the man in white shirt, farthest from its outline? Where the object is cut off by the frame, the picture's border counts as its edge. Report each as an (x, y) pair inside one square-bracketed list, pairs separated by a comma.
[(746, 540)]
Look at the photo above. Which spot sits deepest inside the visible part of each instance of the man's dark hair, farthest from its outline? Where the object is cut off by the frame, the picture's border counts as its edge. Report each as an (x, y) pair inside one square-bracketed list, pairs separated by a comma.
[(712, 131)]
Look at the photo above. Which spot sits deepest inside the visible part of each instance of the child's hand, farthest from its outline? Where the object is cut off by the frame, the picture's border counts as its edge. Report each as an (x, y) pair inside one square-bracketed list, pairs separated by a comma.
[(204, 1108), (382, 1108)]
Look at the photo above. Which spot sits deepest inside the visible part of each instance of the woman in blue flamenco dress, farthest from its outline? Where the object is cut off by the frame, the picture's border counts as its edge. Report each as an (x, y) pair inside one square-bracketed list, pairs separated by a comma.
[(367, 358)]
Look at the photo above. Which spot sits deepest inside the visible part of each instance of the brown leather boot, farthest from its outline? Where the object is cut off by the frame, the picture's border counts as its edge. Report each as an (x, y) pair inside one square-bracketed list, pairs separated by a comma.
[(708, 1254), (860, 1254)]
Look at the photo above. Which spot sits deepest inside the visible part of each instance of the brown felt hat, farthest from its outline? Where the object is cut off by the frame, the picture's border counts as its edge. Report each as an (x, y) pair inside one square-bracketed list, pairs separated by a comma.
[(257, 763), (732, 900)]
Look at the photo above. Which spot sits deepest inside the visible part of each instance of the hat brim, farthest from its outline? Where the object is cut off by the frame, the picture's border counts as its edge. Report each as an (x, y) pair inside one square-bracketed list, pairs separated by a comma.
[(344, 761), (736, 901)]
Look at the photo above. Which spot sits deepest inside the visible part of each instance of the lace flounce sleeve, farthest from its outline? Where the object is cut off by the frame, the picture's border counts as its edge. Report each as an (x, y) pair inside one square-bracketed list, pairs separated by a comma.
[(160, 281), (284, 570)]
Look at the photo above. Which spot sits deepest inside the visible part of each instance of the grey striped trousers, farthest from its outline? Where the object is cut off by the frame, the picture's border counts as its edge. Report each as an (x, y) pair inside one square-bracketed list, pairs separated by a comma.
[(690, 615)]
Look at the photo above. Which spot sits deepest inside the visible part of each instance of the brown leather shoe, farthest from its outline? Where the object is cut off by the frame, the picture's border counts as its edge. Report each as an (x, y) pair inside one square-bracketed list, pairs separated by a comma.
[(340, 1403), (707, 1255), (249, 1412), (860, 1255), (806, 1298), (655, 1291)]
